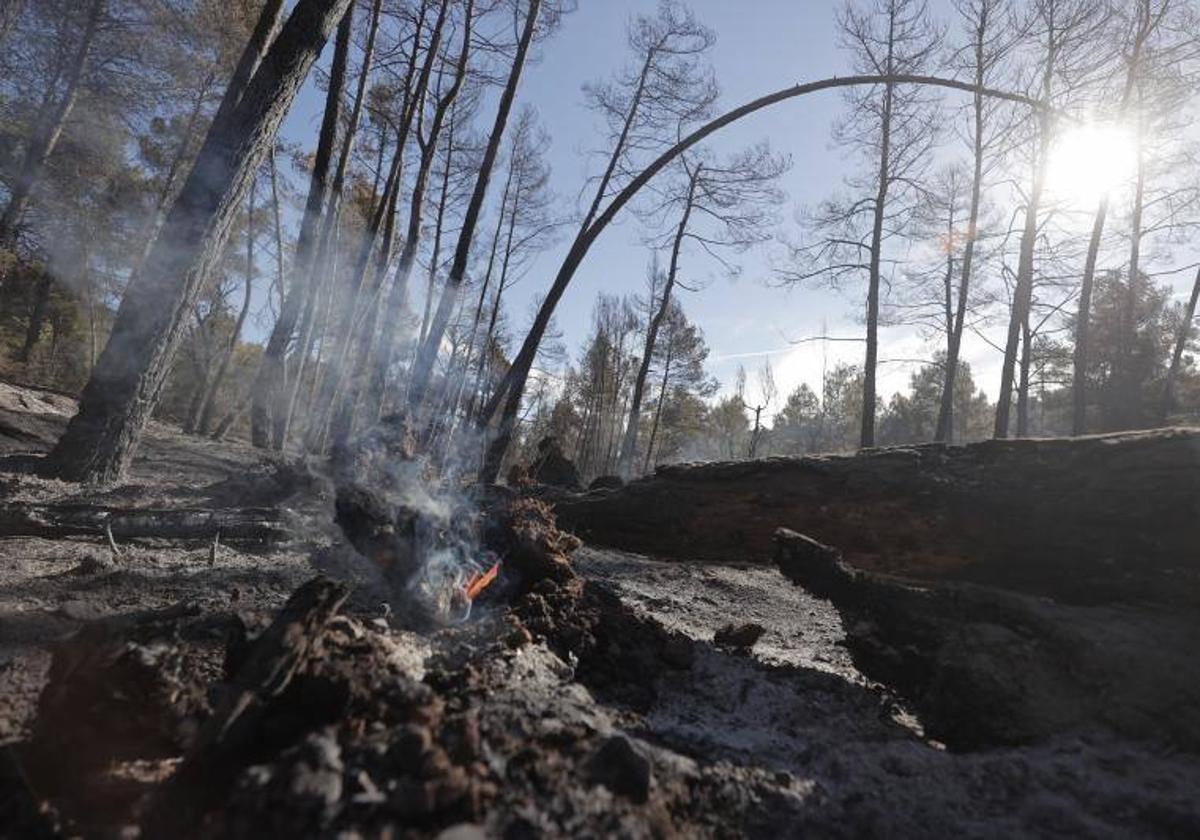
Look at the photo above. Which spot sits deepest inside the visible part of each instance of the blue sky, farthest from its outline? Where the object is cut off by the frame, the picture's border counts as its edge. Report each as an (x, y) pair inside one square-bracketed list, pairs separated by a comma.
[(762, 45)]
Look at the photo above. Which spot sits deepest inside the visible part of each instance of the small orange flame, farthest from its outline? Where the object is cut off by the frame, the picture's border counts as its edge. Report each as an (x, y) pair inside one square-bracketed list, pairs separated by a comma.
[(479, 581)]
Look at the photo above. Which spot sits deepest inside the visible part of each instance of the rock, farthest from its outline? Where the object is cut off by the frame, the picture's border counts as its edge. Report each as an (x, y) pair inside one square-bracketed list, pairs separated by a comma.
[(621, 768), (607, 482), (739, 636), (552, 467)]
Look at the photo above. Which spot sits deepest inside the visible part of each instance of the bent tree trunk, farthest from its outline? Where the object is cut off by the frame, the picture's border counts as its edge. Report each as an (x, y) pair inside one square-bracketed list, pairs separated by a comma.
[(121, 393), (500, 414)]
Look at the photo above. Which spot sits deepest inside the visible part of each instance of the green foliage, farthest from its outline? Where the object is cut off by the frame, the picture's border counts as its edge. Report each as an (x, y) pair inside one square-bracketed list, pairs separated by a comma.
[(912, 417)]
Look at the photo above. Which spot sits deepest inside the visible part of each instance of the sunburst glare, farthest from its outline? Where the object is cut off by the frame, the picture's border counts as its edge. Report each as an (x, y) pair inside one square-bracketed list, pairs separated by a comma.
[(1089, 162)]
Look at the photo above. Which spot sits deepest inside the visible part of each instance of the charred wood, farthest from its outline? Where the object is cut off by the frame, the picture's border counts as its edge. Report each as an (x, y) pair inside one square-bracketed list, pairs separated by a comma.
[(250, 525), (1095, 519), (987, 667), (229, 738)]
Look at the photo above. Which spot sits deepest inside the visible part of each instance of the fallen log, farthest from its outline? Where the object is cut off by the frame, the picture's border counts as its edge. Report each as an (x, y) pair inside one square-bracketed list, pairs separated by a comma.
[(986, 667), (253, 525), (1085, 520)]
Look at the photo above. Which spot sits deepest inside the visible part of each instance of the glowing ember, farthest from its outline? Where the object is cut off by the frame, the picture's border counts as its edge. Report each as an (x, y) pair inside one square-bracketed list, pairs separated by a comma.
[(479, 581)]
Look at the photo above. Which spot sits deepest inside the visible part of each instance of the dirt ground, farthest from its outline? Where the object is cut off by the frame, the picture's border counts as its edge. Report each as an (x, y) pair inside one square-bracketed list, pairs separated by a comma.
[(784, 739)]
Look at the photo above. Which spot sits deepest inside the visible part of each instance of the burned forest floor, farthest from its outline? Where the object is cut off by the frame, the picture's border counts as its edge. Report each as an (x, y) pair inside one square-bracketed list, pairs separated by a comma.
[(265, 683)]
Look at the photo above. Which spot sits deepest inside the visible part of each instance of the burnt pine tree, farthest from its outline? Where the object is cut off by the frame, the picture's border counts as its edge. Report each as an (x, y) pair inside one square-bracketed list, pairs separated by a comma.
[(892, 129), (119, 397), (268, 381), (1067, 32), (398, 296), (720, 205), (1143, 23), (208, 404), (1181, 342), (361, 350), (374, 252), (524, 226), (283, 407), (427, 352), (990, 41), (667, 87)]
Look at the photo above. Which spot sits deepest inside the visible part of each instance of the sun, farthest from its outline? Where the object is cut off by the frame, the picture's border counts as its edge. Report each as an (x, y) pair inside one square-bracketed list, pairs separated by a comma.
[(1089, 162)]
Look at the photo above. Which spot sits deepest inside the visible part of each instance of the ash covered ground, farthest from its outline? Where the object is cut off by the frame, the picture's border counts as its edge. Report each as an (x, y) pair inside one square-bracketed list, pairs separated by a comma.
[(607, 699)]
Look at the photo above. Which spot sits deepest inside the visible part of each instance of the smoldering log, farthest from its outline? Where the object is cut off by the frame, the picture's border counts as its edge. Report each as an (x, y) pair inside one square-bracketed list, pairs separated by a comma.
[(1109, 517), (252, 525), (987, 667)]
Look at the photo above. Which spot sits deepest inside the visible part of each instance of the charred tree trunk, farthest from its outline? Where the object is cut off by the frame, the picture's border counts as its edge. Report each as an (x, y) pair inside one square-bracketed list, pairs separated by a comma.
[(1147, 23), (944, 432), (439, 221), (1131, 386), (629, 444), (428, 351), (662, 398), (1082, 351), (1023, 382), (398, 296), (120, 396), (283, 408), (481, 360), (867, 435), (1036, 666), (261, 38), (1106, 517), (208, 406), (37, 317), (1023, 293), (1181, 340), (259, 525), (269, 380), (367, 275)]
